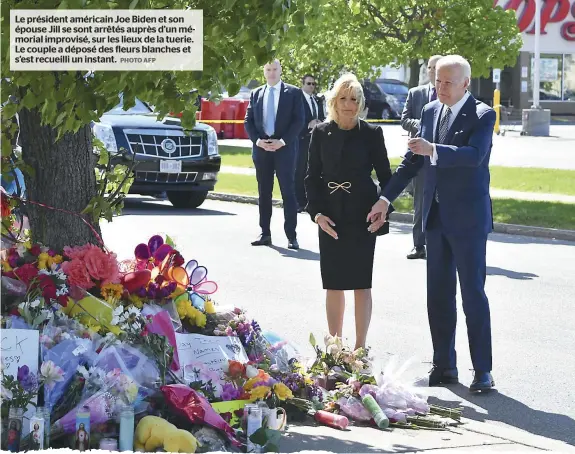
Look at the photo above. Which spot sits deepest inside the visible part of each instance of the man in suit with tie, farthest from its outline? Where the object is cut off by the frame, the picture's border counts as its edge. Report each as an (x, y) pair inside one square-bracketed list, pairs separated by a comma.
[(410, 119), (273, 121), (454, 146), (313, 110)]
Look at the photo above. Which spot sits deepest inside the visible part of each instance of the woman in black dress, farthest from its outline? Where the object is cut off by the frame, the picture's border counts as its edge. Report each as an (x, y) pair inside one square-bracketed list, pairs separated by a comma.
[(340, 190)]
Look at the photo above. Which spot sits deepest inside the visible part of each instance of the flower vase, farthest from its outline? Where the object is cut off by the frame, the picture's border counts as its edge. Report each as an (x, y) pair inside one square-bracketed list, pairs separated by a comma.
[(15, 421)]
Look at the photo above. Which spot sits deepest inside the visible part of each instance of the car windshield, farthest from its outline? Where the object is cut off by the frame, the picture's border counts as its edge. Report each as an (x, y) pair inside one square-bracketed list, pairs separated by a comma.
[(141, 108), (393, 89)]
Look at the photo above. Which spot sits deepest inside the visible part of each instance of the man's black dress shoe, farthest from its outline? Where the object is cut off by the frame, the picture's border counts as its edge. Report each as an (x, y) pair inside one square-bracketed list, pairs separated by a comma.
[(482, 381), (263, 240), (417, 253), (293, 244), (439, 376)]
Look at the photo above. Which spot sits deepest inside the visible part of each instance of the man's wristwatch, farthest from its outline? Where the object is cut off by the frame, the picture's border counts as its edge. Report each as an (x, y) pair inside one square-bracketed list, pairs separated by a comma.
[(317, 216)]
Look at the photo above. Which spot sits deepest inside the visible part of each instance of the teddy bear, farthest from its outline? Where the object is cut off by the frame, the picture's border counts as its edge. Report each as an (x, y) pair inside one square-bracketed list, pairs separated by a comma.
[(154, 432)]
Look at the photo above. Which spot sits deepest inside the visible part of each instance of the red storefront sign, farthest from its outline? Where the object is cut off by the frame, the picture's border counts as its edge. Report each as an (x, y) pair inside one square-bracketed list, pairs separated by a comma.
[(552, 11)]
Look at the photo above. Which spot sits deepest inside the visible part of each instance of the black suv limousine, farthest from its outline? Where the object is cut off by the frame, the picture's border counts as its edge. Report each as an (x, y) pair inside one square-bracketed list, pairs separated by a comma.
[(184, 164)]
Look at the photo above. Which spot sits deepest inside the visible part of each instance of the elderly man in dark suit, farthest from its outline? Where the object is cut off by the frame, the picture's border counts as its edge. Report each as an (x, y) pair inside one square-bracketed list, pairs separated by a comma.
[(453, 145), (273, 121), (410, 119), (314, 115)]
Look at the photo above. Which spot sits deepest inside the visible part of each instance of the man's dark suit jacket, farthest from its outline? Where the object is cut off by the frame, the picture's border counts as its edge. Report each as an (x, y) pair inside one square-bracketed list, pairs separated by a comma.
[(309, 115), (461, 176), (289, 116)]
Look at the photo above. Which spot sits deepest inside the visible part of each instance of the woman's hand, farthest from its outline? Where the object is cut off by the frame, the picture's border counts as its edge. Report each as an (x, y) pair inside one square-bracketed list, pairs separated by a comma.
[(326, 224), (377, 221)]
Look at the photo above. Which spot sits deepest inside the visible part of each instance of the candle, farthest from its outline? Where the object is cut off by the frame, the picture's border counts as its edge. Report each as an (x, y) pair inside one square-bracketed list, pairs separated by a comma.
[(108, 444), (127, 429), (375, 410), (331, 419)]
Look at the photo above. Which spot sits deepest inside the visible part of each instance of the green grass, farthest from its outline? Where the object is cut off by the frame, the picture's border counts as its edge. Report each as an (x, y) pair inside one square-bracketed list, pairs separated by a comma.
[(508, 211), (551, 181)]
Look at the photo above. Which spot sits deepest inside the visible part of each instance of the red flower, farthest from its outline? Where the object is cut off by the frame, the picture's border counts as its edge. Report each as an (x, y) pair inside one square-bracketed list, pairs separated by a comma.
[(178, 259), (5, 204), (48, 287), (26, 273), (36, 250), (63, 300)]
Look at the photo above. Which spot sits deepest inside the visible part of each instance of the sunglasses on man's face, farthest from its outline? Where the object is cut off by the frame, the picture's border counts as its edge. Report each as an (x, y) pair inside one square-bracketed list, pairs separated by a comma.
[(310, 83)]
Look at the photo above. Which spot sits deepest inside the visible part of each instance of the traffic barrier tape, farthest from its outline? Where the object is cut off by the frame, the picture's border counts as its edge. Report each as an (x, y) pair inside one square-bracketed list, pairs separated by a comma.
[(201, 120)]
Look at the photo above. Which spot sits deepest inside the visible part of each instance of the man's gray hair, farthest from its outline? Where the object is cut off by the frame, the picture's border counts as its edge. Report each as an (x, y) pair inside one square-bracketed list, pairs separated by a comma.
[(455, 60)]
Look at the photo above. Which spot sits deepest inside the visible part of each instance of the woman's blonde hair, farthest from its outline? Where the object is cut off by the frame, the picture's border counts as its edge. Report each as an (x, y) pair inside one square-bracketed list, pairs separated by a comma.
[(345, 84)]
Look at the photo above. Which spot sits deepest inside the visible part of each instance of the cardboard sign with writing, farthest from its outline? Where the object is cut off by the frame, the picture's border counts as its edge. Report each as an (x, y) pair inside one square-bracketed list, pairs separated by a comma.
[(211, 351), (20, 347)]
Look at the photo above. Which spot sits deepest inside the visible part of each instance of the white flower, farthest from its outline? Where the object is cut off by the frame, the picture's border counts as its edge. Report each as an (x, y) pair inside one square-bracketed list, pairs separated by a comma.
[(132, 310), (83, 371), (332, 349), (6, 394), (22, 306), (51, 374), (251, 371), (35, 303)]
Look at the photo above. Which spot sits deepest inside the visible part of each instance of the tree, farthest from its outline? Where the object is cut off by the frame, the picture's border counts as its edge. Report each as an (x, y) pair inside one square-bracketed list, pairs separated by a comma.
[(56, 108), (361, 35)]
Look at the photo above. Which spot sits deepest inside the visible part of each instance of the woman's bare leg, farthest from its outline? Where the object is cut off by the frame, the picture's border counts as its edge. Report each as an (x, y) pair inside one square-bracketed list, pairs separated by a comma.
[(362, 316), (335, 307)]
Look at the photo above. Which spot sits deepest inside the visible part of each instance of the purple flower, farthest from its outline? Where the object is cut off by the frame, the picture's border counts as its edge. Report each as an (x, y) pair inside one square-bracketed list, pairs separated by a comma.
[(141, 292), (256, 326), (230, 392), (27, 380)]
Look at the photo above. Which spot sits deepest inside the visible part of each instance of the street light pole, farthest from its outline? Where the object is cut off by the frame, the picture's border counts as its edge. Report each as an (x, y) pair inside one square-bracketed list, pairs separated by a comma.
[(536, 74)]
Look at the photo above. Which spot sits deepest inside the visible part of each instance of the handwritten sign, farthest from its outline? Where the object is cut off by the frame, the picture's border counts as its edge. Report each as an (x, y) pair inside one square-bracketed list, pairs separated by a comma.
[(212, 351), (20, 347)]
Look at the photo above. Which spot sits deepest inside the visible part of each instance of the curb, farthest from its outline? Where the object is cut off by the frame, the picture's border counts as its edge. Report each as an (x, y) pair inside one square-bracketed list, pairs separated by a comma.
[(407, 218)]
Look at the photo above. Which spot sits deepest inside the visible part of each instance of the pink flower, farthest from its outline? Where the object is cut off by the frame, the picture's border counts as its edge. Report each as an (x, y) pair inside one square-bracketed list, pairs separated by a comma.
[(77, 252), (102, 266), (77, 274)]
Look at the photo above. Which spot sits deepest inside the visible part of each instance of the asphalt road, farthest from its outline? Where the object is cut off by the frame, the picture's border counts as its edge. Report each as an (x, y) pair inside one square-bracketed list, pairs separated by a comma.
[(531, 287)]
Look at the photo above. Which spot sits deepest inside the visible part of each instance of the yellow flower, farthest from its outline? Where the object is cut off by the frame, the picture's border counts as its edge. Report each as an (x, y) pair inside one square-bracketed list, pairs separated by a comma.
[(250, 383), (43, 261), (6, 266), (112, 293), (27, 244), (46, 261), (209, 307), (260, 392), (201, 319), (136, 301), (282, 391)]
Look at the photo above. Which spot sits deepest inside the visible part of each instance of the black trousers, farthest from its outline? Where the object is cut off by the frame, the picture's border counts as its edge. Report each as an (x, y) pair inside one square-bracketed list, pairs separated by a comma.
[(301, 170)]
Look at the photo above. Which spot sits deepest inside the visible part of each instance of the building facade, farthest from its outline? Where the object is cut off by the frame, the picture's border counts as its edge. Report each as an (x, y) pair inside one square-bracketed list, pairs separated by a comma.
[(557, 59)]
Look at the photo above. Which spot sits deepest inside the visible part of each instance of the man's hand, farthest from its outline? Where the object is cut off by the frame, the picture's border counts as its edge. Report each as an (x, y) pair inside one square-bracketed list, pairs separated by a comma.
[(420, 146), (313, 123), (266, 144), (326, 225), (378, 211), (377, 222), (275, 144)]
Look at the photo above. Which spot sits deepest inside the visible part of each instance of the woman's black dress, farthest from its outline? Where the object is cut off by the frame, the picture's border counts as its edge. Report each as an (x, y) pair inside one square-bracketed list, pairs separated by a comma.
[(339, 185)]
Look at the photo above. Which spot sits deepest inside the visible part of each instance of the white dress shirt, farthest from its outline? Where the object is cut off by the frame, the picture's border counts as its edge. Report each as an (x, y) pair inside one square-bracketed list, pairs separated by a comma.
[(455, 109), (310, 102), (430, 93), (278, 88)]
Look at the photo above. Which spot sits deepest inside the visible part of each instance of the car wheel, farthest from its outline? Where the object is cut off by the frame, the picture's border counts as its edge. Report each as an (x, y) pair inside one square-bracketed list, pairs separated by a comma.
[(191, 199), (385, 113)]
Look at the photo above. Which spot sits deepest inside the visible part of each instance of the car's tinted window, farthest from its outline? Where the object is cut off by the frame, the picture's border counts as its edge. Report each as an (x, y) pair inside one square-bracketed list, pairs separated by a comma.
[(139, 108), (393, 89)]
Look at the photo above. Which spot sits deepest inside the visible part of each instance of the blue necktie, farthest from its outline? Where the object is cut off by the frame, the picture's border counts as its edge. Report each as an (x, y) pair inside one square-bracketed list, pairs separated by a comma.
[(433, 95), (270, 122)]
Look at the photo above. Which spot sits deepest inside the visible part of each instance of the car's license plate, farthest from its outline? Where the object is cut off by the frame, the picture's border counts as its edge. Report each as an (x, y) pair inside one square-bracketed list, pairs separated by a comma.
[(171, 166)]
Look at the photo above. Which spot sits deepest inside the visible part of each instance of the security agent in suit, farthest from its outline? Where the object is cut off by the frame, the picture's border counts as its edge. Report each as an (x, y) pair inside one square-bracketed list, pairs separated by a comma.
[(410, 119), (314, 115), (273, 121), (454, 147)]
